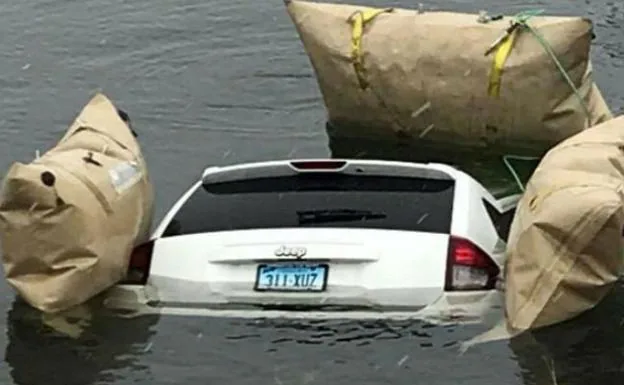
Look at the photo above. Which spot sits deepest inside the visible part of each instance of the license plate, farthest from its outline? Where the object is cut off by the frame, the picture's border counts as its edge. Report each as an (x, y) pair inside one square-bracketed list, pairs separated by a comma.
[(291, 277)]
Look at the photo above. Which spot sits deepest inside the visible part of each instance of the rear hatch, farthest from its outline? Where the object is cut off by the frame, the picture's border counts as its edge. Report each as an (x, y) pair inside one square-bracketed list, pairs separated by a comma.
[(327, 234)]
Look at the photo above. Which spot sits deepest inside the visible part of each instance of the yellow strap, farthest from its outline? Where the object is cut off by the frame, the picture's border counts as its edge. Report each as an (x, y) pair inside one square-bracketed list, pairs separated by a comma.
[(502, 53), (358, 20)]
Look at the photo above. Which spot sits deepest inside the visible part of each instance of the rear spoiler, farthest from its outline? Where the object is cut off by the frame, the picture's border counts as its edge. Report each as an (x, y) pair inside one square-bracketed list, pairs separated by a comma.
[(344, 167)]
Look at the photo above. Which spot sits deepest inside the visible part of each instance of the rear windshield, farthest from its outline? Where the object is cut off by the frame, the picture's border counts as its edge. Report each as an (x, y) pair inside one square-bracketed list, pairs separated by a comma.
[(318, 200)]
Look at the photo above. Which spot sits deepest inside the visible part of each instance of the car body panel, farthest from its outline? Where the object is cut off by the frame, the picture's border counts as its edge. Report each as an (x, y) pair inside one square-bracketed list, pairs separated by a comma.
[(370, 269)]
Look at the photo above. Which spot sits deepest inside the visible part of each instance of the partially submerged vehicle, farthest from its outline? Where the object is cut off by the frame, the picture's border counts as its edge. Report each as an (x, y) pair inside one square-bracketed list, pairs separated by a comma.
[(512, 87), (325, 238)]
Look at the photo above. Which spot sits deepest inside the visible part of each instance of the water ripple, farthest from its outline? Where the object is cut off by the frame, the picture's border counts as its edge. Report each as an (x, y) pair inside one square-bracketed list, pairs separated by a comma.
[(205, 83)]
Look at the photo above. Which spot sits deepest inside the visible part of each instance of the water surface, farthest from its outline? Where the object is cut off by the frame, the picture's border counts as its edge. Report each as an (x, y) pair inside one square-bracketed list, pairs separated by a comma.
[(228, 81)]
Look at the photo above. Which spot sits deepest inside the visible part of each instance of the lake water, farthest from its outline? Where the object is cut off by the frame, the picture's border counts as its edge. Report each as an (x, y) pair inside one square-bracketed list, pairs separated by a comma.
[(228, 81)]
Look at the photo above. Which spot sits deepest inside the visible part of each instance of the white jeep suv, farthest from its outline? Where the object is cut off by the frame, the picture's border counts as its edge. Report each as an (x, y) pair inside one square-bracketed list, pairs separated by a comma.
[(325, 238)]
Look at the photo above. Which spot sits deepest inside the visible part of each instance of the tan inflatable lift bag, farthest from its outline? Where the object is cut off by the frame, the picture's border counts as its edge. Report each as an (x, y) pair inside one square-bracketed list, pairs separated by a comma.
[(432, 77), (565, 244), (71, 218)]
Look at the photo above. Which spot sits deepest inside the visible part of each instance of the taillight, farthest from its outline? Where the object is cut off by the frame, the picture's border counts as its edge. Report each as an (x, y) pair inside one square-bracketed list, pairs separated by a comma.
[(311, 165), (140, 260), (469, 267)]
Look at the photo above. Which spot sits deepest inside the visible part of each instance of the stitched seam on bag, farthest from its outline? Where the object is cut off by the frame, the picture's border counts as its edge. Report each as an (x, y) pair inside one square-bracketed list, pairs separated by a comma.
[(541, 194), (569, 266), (540, 284), (82, 127), (90, 185), (573, 145)]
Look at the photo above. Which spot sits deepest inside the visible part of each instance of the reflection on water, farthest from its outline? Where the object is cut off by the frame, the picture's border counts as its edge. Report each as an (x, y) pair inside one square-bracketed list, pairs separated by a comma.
[(586, 350), (36, 354), (298, 351), (364, 332), (228, 81), (488, 169)]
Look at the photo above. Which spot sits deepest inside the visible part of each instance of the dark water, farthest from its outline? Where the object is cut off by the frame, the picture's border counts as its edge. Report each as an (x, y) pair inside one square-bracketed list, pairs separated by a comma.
[(227, 81)]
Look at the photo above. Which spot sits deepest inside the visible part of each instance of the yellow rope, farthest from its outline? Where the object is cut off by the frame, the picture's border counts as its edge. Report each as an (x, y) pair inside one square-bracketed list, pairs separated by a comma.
[(358, 21), (498, 64)]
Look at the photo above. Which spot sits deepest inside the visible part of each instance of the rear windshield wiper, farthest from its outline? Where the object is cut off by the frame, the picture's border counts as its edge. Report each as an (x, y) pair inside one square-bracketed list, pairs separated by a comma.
[(337, 215)]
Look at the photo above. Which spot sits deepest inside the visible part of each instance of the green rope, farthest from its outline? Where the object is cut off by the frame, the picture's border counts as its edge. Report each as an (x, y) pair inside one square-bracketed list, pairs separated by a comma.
[(522, 18), (511, 169)]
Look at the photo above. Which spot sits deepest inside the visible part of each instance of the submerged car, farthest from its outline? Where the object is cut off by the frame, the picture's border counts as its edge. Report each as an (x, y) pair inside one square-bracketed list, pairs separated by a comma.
[(325, 237)]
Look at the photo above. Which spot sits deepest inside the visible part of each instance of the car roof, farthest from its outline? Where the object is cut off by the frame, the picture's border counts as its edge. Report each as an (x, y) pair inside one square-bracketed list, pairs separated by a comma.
[(286, 167)]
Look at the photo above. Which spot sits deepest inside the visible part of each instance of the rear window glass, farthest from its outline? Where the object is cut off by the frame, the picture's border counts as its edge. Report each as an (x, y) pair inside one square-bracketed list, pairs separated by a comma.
[(318, 200)]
